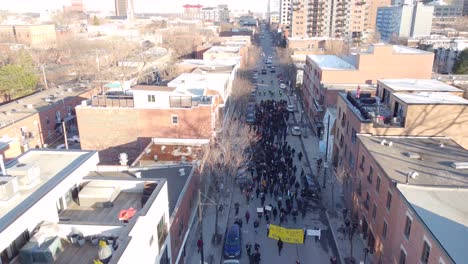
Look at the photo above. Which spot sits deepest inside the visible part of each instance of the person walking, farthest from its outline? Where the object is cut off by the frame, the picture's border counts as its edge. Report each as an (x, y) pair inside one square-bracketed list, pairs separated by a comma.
[(200, 245), (268, 229), (280, 246), (236, 205), (248, 248), (256, 224), (300, 156), (275, 212), (247, 217)]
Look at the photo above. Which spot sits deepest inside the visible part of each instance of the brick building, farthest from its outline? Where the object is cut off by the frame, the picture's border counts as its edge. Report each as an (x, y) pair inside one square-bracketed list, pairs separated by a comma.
[(185, 113), (36, 36), (379, 61), (409, 199), (36, 120), (395, 147)]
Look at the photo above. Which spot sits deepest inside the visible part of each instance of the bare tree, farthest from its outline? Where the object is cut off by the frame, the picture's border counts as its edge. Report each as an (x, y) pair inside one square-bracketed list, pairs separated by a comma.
[(287, 64), (241, 89), (228, 152), (253, 56)]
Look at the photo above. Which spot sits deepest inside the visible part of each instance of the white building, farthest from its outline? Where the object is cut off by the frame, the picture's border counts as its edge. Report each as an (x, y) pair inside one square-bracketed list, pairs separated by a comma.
[(219, 13), (274, 17), (285, 12), (404, 21), (53, 210), (446, 55)]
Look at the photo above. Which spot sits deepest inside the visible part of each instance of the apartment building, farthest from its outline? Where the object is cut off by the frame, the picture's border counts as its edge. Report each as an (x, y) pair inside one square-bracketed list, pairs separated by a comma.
[(187, 111), (446, 13), (447, 53), (274, 17), (404, 21), (406, 132), (192, 11), (37, 120), (219, 13), (285, 12), (409, 197), (35, 36), (352, 20), (57, 205), (327, 75)]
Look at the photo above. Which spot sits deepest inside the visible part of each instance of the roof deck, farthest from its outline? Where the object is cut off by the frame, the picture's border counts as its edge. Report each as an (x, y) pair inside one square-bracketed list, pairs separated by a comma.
[(431, 98), (331, 62), (369, 109), (417, 85)]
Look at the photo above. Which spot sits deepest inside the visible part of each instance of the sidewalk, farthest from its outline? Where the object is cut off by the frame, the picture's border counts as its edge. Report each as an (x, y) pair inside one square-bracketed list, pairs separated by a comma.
[(212, 253), (335, 220)]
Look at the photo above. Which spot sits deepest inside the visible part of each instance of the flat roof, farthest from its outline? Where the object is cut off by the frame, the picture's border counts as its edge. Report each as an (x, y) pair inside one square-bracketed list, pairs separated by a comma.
[(422, 85), (431, 98), (54, 166), (153, 88), (21, 108), (218, 62), (175, 182), (351, 86), (407, 50), (444, 212), (223, 49), (331, 62), (434, 165)]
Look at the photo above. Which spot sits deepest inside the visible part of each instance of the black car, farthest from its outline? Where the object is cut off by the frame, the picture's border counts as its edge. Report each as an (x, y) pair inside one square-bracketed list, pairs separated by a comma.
[(264, 71)]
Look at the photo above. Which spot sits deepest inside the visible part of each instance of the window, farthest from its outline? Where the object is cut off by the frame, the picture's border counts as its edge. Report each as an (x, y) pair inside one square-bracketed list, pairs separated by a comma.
[(162, 231), (402, 259), (374, 211), (359, 188), (389, 200), (425, 253), (353, 136), (151, 98), (384, 230), (175, 120), (377, 184), (370, 175), (361, 166), (408, 227), (367, 202)]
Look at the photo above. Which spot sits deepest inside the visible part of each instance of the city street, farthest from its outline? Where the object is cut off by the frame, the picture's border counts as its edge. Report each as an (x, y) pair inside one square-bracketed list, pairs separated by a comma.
[(316, 217)]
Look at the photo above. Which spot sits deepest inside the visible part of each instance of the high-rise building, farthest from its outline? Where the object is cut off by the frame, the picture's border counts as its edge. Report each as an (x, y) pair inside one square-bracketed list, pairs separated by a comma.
[(404, 21), (192, 11), (334, 18), (285, 12), (219, 13), (121, 8)]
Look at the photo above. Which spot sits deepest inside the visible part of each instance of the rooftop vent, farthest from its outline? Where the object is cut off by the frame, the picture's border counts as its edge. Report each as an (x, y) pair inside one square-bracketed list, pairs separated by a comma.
[(412, 155), (460, 165), (386, 143), (412, 175), (29, 106), (8, 188)]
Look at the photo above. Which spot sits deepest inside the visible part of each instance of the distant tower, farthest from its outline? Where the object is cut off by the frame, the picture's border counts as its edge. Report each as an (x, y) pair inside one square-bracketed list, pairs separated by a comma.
[(121, 7), (130, 11), (268, 11)]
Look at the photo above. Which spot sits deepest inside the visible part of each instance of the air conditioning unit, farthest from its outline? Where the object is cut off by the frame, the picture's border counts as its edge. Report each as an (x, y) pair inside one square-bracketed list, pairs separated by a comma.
[(8, 188), (27, 174)]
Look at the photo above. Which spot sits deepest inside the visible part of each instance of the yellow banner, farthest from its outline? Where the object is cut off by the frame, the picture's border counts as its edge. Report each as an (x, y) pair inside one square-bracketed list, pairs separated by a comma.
[(287, 235)]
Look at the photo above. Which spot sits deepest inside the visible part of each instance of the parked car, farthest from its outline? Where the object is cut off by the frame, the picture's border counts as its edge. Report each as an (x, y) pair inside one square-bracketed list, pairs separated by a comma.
[(296, 131), (232, 243), (250, 118), (231, 261), (290, 108), (272, 70), (264, 71), (282, 86)]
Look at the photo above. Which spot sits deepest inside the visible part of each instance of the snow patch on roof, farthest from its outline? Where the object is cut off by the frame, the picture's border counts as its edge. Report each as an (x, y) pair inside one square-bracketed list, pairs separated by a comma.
[(331, 62), (428, 85), (406, 50), (431, 98)]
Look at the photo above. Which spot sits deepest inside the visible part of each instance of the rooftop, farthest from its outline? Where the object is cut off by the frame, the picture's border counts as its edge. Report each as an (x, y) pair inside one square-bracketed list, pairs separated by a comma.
[(421, 85), (433, 163), (407, 50), (350, 86), (16, 110), (191, 82), (444, 212), (431, 98), (223, 49), (331, 62), (153, 88), (175, 182), (38, 172)]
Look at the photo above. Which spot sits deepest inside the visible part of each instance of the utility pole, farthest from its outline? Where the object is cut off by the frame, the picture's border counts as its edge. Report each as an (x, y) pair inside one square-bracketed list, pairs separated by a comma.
[(200, 220), (325, 166), (65, 134), (44, 76)]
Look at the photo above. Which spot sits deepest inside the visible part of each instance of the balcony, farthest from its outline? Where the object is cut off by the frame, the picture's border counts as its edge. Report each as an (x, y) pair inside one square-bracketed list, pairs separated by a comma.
[(369, 109), (318, 107), (112, 101)]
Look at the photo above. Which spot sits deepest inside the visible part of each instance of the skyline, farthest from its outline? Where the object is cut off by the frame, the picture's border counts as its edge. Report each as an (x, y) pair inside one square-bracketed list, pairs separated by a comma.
[(141, 6)]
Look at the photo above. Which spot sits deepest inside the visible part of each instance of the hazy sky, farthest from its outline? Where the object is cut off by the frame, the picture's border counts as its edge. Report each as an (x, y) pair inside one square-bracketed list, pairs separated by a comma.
[(173, 6)]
